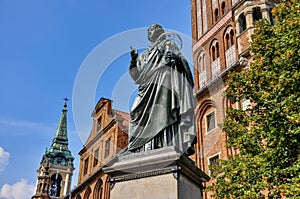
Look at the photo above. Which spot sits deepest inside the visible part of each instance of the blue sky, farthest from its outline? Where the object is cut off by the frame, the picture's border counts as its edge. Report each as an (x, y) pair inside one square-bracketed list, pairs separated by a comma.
[(43, 45)]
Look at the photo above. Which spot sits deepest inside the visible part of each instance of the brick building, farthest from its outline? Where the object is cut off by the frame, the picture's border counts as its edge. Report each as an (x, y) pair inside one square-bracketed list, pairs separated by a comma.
[(107, 137), (221, 31)]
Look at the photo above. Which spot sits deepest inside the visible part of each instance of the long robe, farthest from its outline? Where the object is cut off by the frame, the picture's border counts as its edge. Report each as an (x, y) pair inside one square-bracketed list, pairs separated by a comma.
[(165, 97)]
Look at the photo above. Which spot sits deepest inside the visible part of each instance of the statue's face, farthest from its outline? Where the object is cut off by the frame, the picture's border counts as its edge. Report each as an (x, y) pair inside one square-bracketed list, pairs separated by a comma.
[(153, 33)]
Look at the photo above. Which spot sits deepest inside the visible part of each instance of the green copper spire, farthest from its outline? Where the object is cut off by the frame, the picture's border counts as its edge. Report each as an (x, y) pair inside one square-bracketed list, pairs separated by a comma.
[(59, 152), (60, 140)]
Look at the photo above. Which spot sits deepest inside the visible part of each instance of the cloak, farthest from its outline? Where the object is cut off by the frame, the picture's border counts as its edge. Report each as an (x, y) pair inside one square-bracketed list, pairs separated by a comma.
[(165, 95)]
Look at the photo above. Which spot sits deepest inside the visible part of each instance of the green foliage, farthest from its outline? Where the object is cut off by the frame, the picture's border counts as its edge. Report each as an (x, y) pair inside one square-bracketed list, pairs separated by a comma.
[(267, 135)]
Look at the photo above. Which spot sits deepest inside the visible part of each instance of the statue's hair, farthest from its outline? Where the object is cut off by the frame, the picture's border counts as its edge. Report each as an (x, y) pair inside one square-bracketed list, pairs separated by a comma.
[(157, 27)]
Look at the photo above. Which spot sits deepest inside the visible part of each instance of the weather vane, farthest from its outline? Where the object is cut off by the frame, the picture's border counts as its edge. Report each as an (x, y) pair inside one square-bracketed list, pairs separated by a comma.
[(66, 99)]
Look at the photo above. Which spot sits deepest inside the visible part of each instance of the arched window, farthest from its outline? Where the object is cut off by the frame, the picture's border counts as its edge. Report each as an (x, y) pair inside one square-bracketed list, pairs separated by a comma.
[(202, 69), (215, 50), (98, 190), (256, 14), (215, 54), (242, 22), (230, 53), (55, 185), (223, 8), (87, 193), (216, 14)]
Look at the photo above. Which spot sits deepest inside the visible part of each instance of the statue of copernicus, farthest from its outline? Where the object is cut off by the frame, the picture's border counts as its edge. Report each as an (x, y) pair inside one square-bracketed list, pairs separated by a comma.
[(163, 112)]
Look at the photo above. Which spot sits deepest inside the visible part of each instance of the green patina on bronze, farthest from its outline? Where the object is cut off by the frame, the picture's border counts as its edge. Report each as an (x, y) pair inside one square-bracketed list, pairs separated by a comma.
[(59, 153)]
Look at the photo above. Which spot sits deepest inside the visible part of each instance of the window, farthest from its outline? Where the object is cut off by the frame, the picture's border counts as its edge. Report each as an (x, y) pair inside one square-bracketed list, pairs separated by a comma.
[(230, 52), (86, 166), (107, 148), (216, 14), (223, 8), (210, 121), (242, 22), (99, 124), (256, 14), (215, 54), (55, 185), (272, 20), (96, 156), (213, 161), (215, 50), (202, 69), (245, 104)]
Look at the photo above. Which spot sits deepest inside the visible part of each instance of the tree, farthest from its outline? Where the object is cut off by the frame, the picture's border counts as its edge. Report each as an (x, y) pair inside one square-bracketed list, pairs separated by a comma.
[(267, 135)]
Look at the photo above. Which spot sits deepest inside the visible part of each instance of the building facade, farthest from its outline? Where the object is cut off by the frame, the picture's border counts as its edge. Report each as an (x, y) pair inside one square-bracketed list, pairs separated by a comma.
[(56, 168), (109, 135), (221, 32)]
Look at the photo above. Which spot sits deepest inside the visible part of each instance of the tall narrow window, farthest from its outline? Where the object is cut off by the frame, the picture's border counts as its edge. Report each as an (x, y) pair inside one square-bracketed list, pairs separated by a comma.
[(242, 23), (213, 161), (55, 185), (217, 50), (216, 14), (107, 148), (256, 14), (210, 121), (223, 8), (99, 124), (227, 42), (230, 53), (213, 53), (272, 20), (202, 69), (96, 156), (86, 166)]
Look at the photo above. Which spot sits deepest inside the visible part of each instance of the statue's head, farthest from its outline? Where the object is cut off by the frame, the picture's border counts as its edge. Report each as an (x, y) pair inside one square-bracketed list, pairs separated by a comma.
[(154, 31)]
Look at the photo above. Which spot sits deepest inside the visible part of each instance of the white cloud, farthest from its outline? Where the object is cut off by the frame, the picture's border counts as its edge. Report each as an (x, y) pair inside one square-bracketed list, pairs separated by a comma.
[(4, 159), (20, 190)]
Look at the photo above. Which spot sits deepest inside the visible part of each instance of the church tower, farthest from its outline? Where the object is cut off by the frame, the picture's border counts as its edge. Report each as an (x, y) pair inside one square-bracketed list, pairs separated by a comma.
[(56, 168)]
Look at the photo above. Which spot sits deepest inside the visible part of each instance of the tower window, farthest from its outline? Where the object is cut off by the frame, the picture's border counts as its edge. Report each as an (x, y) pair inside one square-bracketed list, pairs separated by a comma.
[(242, 23), (96, 156), (256, 14), (55, 185), (107, 148), (213, 161), (210, 121), (86, 166)]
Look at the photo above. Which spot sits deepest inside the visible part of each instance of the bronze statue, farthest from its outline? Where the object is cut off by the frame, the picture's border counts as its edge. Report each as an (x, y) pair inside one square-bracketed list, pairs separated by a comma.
[(163, 112)]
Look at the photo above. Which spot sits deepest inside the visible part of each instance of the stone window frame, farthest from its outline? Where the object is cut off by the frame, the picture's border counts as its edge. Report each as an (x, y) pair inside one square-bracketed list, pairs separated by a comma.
[(85, 166), (207, 131)]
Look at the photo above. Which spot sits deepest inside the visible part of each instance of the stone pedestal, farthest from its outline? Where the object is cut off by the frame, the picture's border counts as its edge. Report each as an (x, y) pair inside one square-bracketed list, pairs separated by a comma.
[(157, 174)]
